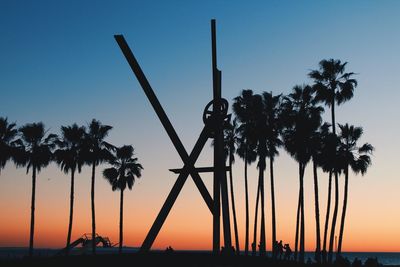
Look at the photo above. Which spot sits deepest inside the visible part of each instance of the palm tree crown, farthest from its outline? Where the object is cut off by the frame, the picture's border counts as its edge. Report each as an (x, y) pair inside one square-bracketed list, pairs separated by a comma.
[(349, 154), (8, 133), (35, 147), (97, 150), (302, 118), (69, 155), (125, 169), (332, 84)]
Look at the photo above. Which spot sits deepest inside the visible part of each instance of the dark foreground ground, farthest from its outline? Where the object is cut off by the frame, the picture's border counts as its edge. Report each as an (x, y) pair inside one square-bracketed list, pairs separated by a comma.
[(176, 259)]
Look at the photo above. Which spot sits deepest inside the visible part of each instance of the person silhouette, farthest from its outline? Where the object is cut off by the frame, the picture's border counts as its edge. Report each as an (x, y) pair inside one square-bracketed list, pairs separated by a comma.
[(280, 249), (288, 252)]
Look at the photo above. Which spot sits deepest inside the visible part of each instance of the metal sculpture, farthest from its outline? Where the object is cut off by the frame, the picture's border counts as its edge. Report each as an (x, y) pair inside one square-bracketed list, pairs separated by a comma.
[(214, 117)]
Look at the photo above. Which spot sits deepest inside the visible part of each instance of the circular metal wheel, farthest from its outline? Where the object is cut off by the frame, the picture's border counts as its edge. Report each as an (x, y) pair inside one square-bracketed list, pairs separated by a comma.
[(209, 110)]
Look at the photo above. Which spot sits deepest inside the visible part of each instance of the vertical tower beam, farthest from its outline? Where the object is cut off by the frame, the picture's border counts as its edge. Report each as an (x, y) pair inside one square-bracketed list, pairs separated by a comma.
[(216, 182), (220, 182)]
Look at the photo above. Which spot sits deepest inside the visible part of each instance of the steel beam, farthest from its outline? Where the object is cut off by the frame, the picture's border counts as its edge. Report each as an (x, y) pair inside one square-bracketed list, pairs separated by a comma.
[(161, 115)]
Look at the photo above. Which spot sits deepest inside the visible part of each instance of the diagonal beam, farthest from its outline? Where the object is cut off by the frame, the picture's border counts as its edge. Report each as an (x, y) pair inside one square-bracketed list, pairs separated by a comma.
[(199, 169), (169, 202), (162, 116)]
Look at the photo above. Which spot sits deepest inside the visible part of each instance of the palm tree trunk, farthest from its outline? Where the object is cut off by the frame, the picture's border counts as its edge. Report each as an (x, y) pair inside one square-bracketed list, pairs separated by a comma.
[(271, 163), (246, 248), (335, 211), (336, 185), (328, 211), (93, 211), (32, 230), (296, 242), (233, 208), (71, 211), (302, 224), (333, 115), (254, 244), (318, 231), (262, 230), (346, 189), (121, 221)]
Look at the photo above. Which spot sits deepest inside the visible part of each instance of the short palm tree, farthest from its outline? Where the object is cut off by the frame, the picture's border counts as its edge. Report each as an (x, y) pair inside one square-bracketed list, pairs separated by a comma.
[(317, 148), (230, 141), (272, 110), (326, 159), (301, 117), (96, 151), (243, 110), (8, 133), (69, 156), (123, 174), (35, 152), (333, 86), (353, 156)]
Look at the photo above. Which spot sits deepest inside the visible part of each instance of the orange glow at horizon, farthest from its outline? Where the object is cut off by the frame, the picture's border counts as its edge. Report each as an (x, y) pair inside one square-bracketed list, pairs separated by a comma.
[(370, 224)]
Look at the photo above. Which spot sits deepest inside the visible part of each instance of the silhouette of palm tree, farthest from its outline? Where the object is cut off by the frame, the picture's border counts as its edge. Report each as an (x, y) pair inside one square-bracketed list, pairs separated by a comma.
[(333, 85), (260, 129), (34, 150), (69, 157), (8, 133), (242, 107), (353, 156), (231, 137), (123, 174), (96, 151), (301, 117), (272, 109), (317, 145)]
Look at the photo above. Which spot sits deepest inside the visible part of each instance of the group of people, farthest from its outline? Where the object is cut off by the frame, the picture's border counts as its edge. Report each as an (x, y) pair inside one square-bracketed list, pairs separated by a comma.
[(282, 251)]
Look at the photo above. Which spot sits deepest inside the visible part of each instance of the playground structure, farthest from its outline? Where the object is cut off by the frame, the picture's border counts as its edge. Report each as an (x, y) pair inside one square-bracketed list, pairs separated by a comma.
[(86, 242), (215, 116)]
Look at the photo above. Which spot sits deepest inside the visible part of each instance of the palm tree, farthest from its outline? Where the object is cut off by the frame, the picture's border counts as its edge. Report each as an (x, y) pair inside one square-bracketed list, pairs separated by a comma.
[(230, 140), (8, 133), (272, 109), (96, 151), (35, 152), (123, 174), (260, 129), (333, 86), (353, 156), (70, 159), (242, 108), (301, 117), (317, 148)]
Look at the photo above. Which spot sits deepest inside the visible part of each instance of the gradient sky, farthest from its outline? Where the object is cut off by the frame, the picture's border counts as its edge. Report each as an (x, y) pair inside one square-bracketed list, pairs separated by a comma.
[(59, 64)]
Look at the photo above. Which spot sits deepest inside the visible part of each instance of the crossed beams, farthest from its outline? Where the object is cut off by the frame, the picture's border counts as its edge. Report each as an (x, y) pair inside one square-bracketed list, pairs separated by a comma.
[(213, 127), (188, 160)]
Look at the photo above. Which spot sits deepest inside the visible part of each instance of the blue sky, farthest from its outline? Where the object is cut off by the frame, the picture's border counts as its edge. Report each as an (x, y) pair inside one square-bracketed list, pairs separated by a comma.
[(59, 64)]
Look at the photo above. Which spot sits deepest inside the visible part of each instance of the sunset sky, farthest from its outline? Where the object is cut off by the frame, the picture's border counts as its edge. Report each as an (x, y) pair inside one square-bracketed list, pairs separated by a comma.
[(60, 64)]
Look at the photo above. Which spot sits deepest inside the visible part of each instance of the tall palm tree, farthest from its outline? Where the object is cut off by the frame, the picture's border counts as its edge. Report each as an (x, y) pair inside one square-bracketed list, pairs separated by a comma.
[(8, 133), (260, 129), (353, 156), (35, 152), (69, 157), (242, 108), (96, 151), (333, 86), (302, 117), (123, 174), (272, 109), (230, 141)]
